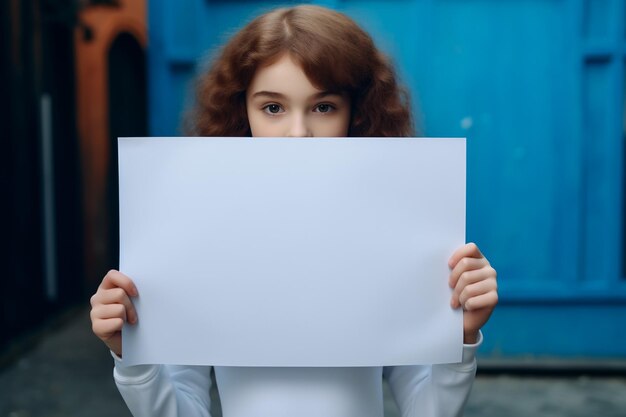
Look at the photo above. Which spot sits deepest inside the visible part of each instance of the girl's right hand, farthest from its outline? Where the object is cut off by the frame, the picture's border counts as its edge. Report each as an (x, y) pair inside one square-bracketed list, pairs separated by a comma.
[(111, 307)]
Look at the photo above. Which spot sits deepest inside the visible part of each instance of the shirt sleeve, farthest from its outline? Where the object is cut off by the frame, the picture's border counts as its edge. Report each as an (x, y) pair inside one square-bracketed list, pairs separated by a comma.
[(164, 390), (434, 390)]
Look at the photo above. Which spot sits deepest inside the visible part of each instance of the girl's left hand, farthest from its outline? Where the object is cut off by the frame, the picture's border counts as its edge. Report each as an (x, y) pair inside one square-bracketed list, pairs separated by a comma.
[(475, 289)]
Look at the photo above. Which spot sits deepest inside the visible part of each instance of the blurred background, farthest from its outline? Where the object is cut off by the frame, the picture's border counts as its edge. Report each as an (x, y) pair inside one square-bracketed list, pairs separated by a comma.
[(538, 87)]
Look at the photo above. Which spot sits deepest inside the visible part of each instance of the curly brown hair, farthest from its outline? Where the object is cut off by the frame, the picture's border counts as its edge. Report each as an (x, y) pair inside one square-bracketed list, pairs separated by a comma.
[(334, 53)]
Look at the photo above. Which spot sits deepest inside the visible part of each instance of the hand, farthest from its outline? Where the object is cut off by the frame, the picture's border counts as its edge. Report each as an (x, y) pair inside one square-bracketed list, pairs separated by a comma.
[(111, 307), (475, 289)]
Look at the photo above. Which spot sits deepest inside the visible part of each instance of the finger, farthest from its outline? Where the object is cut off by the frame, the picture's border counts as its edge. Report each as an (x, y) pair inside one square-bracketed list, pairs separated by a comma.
[(105, 329), (476, 290), (108, 311), (468, 278), (115, 279), (469, 250), (464, 265), (488, 300), (119, 296)]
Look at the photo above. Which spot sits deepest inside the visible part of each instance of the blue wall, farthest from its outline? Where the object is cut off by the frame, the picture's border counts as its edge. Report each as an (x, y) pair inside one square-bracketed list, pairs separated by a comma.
[(537, 87)]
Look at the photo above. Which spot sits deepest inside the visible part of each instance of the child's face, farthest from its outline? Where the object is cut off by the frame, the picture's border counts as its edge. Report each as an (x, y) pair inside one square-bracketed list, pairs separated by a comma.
[(281, 101)]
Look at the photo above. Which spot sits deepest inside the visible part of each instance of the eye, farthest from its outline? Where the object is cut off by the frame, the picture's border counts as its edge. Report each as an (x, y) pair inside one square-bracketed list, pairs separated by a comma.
[(273, 109), (324, 108)]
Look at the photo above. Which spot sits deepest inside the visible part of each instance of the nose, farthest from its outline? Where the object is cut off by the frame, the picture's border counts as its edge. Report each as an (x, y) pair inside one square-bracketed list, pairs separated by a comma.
[(298, 127)]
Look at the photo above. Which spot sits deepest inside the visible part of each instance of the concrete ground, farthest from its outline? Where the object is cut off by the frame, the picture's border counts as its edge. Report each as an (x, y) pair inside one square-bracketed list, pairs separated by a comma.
[(68, 374)]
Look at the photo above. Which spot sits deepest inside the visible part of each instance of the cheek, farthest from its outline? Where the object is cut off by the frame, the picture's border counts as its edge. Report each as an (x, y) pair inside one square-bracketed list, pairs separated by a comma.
[(344, 117), (258, 124), (346, 124), (254, 121), (339, 126)]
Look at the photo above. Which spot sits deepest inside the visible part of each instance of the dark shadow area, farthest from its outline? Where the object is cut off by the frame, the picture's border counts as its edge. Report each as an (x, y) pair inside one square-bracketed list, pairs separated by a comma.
[(128, 116), (41, 249)]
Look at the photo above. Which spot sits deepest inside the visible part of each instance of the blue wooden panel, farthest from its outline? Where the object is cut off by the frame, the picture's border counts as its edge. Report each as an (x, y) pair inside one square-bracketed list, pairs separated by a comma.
[(537, 87), (480, 64), (602, 168), (598, 22), (556, 331)]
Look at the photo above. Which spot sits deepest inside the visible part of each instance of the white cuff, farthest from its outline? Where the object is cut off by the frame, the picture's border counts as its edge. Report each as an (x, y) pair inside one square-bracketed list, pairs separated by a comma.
[(468, 363), (130, 375)]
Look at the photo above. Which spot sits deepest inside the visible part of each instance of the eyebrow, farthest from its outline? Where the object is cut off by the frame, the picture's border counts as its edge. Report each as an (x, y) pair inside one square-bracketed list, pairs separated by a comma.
[(272, 94)]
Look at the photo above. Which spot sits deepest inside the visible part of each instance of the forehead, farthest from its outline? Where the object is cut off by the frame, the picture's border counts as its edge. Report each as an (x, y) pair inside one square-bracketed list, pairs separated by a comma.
[(283, 76)]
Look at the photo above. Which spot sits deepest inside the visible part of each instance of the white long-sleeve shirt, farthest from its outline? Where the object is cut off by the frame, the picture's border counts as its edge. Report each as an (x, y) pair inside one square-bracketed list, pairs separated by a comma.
[(170, 391)]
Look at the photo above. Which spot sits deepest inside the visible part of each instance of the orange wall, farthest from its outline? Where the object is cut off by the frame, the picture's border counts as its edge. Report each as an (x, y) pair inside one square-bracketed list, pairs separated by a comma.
[(106, 23)]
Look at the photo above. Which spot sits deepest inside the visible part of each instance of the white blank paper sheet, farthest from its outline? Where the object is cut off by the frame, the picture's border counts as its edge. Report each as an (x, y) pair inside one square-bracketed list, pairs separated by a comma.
[(291, 252)]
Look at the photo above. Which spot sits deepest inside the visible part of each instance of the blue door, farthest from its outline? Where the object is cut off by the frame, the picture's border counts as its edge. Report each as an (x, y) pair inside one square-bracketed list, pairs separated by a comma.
[(537, 87)]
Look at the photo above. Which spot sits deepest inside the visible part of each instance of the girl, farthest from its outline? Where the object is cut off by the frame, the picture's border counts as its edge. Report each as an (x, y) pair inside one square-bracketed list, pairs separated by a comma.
[(301, 71)]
